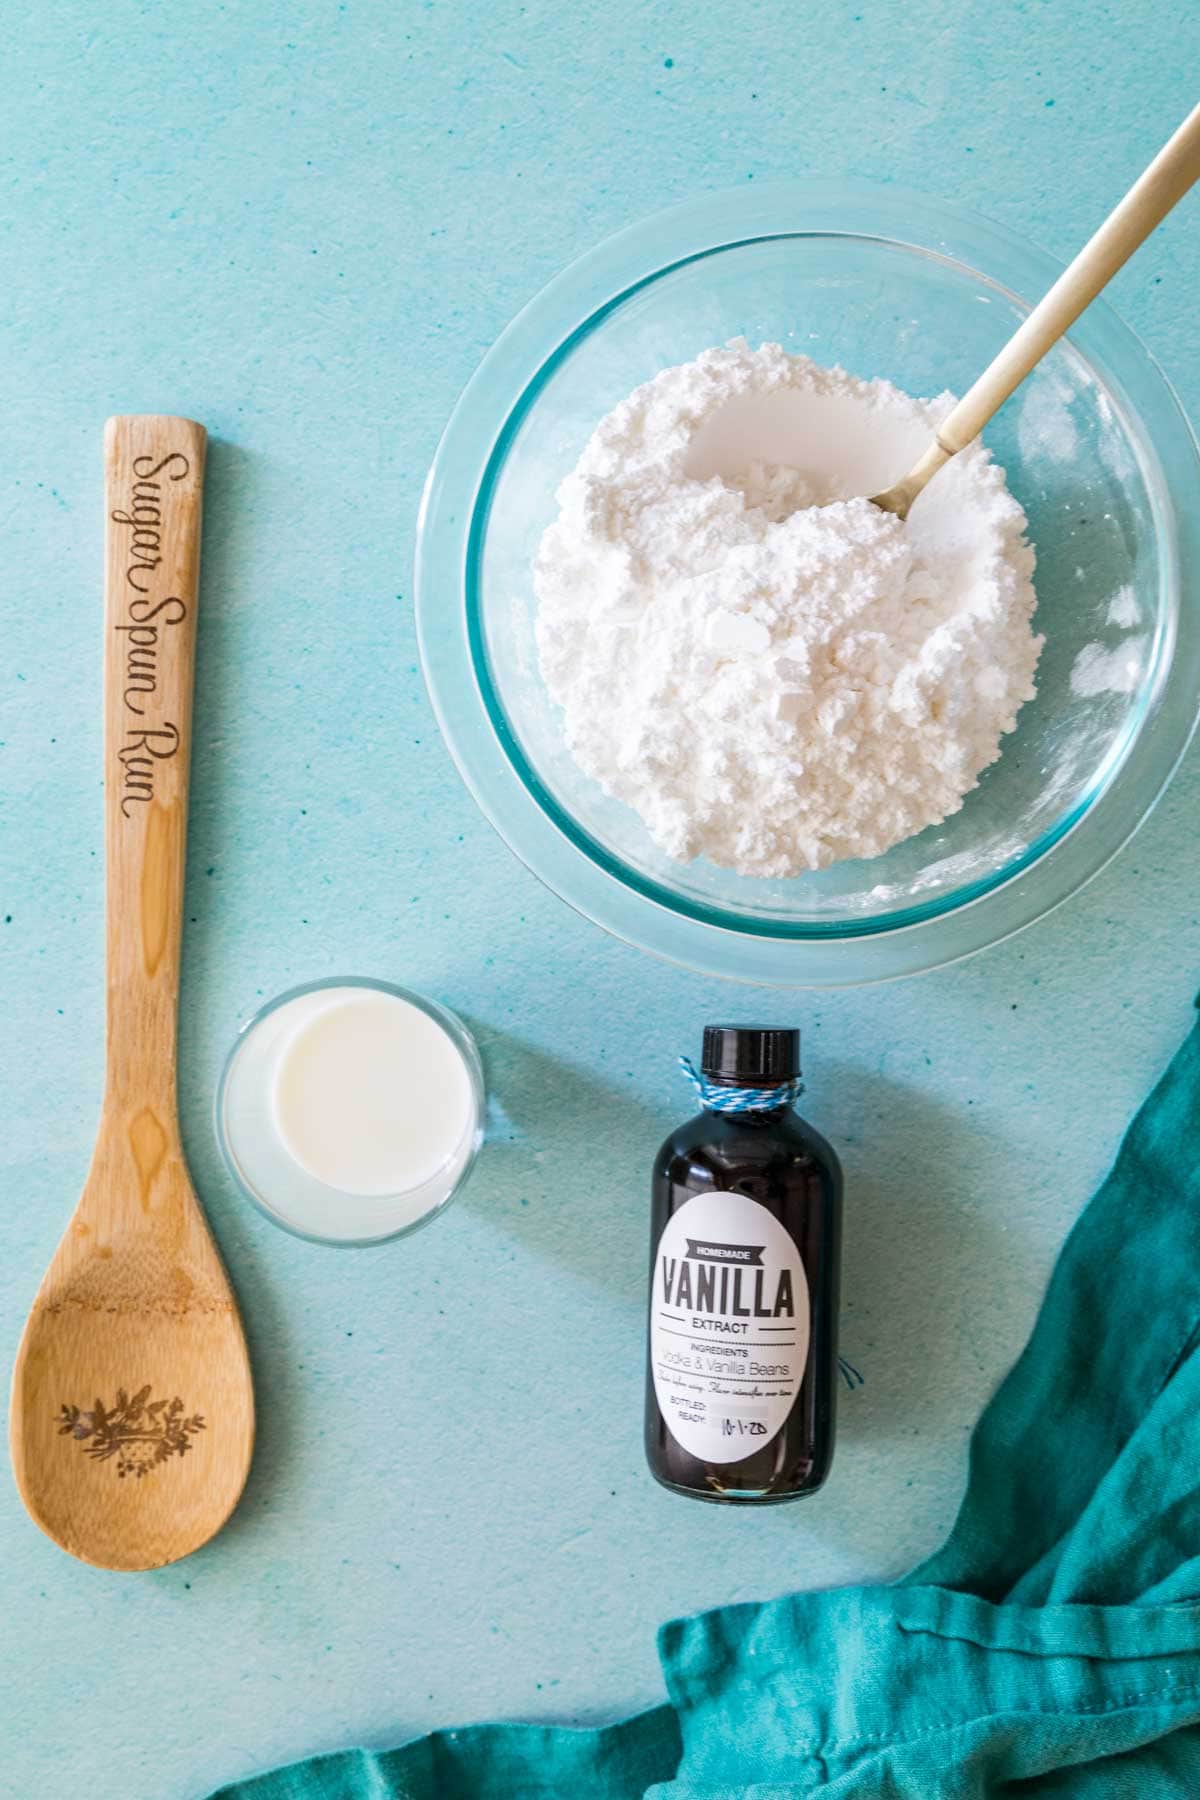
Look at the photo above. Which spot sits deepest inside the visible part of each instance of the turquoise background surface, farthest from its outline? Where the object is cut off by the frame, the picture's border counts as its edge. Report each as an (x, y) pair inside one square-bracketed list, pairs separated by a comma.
[(303, 226)]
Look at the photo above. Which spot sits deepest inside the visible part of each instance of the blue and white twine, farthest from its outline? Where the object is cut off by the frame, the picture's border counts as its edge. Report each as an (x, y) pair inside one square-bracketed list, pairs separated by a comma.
[(715, 1096)]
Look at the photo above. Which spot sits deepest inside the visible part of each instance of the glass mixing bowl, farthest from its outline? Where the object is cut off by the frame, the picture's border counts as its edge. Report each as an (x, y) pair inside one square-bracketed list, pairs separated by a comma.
[(1096, 448)]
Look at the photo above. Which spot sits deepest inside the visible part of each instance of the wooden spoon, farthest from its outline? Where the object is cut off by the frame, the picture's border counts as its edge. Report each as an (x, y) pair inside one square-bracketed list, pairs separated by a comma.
[(1147, 203), (132, 1416)]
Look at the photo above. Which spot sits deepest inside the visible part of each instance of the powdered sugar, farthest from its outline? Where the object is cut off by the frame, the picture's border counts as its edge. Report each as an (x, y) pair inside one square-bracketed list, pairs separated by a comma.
[(773, 674)]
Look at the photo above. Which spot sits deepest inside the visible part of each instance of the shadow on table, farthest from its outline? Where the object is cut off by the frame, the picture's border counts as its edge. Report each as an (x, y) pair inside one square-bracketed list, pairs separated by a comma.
[(566, 1163), (932, 1279)]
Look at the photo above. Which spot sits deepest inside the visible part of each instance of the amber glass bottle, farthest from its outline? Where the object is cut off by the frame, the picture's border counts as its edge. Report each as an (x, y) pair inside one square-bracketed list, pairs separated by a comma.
[(745, 1251)]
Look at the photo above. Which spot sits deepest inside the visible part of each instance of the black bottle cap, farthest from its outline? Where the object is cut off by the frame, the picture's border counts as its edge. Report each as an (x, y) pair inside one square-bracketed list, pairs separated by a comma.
[(750, 1055)]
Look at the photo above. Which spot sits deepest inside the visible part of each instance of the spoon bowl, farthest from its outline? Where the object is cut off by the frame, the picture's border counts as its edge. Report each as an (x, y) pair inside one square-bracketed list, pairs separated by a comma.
[(132, 1417)]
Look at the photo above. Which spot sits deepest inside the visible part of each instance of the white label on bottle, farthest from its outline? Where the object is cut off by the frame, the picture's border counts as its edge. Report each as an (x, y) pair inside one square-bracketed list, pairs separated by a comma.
[(729, 1326)]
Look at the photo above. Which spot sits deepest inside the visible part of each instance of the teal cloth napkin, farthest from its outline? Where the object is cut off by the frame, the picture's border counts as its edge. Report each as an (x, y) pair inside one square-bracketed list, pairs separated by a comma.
[(1051, 1647)]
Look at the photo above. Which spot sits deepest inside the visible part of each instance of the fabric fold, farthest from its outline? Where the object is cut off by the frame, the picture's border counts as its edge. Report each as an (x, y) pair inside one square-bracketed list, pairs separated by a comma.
[(863, 1691)]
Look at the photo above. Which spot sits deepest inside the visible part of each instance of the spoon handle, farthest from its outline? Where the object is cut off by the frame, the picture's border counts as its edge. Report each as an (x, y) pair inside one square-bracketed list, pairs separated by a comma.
[(153, 481), (1147, 203)]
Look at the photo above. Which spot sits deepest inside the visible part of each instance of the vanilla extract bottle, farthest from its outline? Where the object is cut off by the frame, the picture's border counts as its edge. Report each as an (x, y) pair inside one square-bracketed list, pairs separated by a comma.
[(745, 1261)]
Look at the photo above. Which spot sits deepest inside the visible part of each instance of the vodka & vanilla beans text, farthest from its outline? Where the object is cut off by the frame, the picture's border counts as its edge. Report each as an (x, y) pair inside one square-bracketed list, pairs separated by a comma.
[(146, 742)]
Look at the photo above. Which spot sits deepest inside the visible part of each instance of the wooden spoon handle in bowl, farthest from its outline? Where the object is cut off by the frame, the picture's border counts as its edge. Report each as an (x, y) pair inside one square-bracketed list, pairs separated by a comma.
[(1159, 187), (154, 475)]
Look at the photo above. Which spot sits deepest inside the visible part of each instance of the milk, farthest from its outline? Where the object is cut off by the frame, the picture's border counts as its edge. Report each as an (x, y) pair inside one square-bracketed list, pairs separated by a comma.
[(351, 1111)]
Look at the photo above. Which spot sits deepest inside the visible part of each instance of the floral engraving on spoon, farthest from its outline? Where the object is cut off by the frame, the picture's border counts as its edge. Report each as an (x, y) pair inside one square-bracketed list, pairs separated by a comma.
[(141, 1433)]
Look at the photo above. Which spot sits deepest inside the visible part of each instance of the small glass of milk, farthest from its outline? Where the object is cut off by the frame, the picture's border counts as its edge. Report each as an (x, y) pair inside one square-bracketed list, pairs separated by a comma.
[(350, 1111)]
